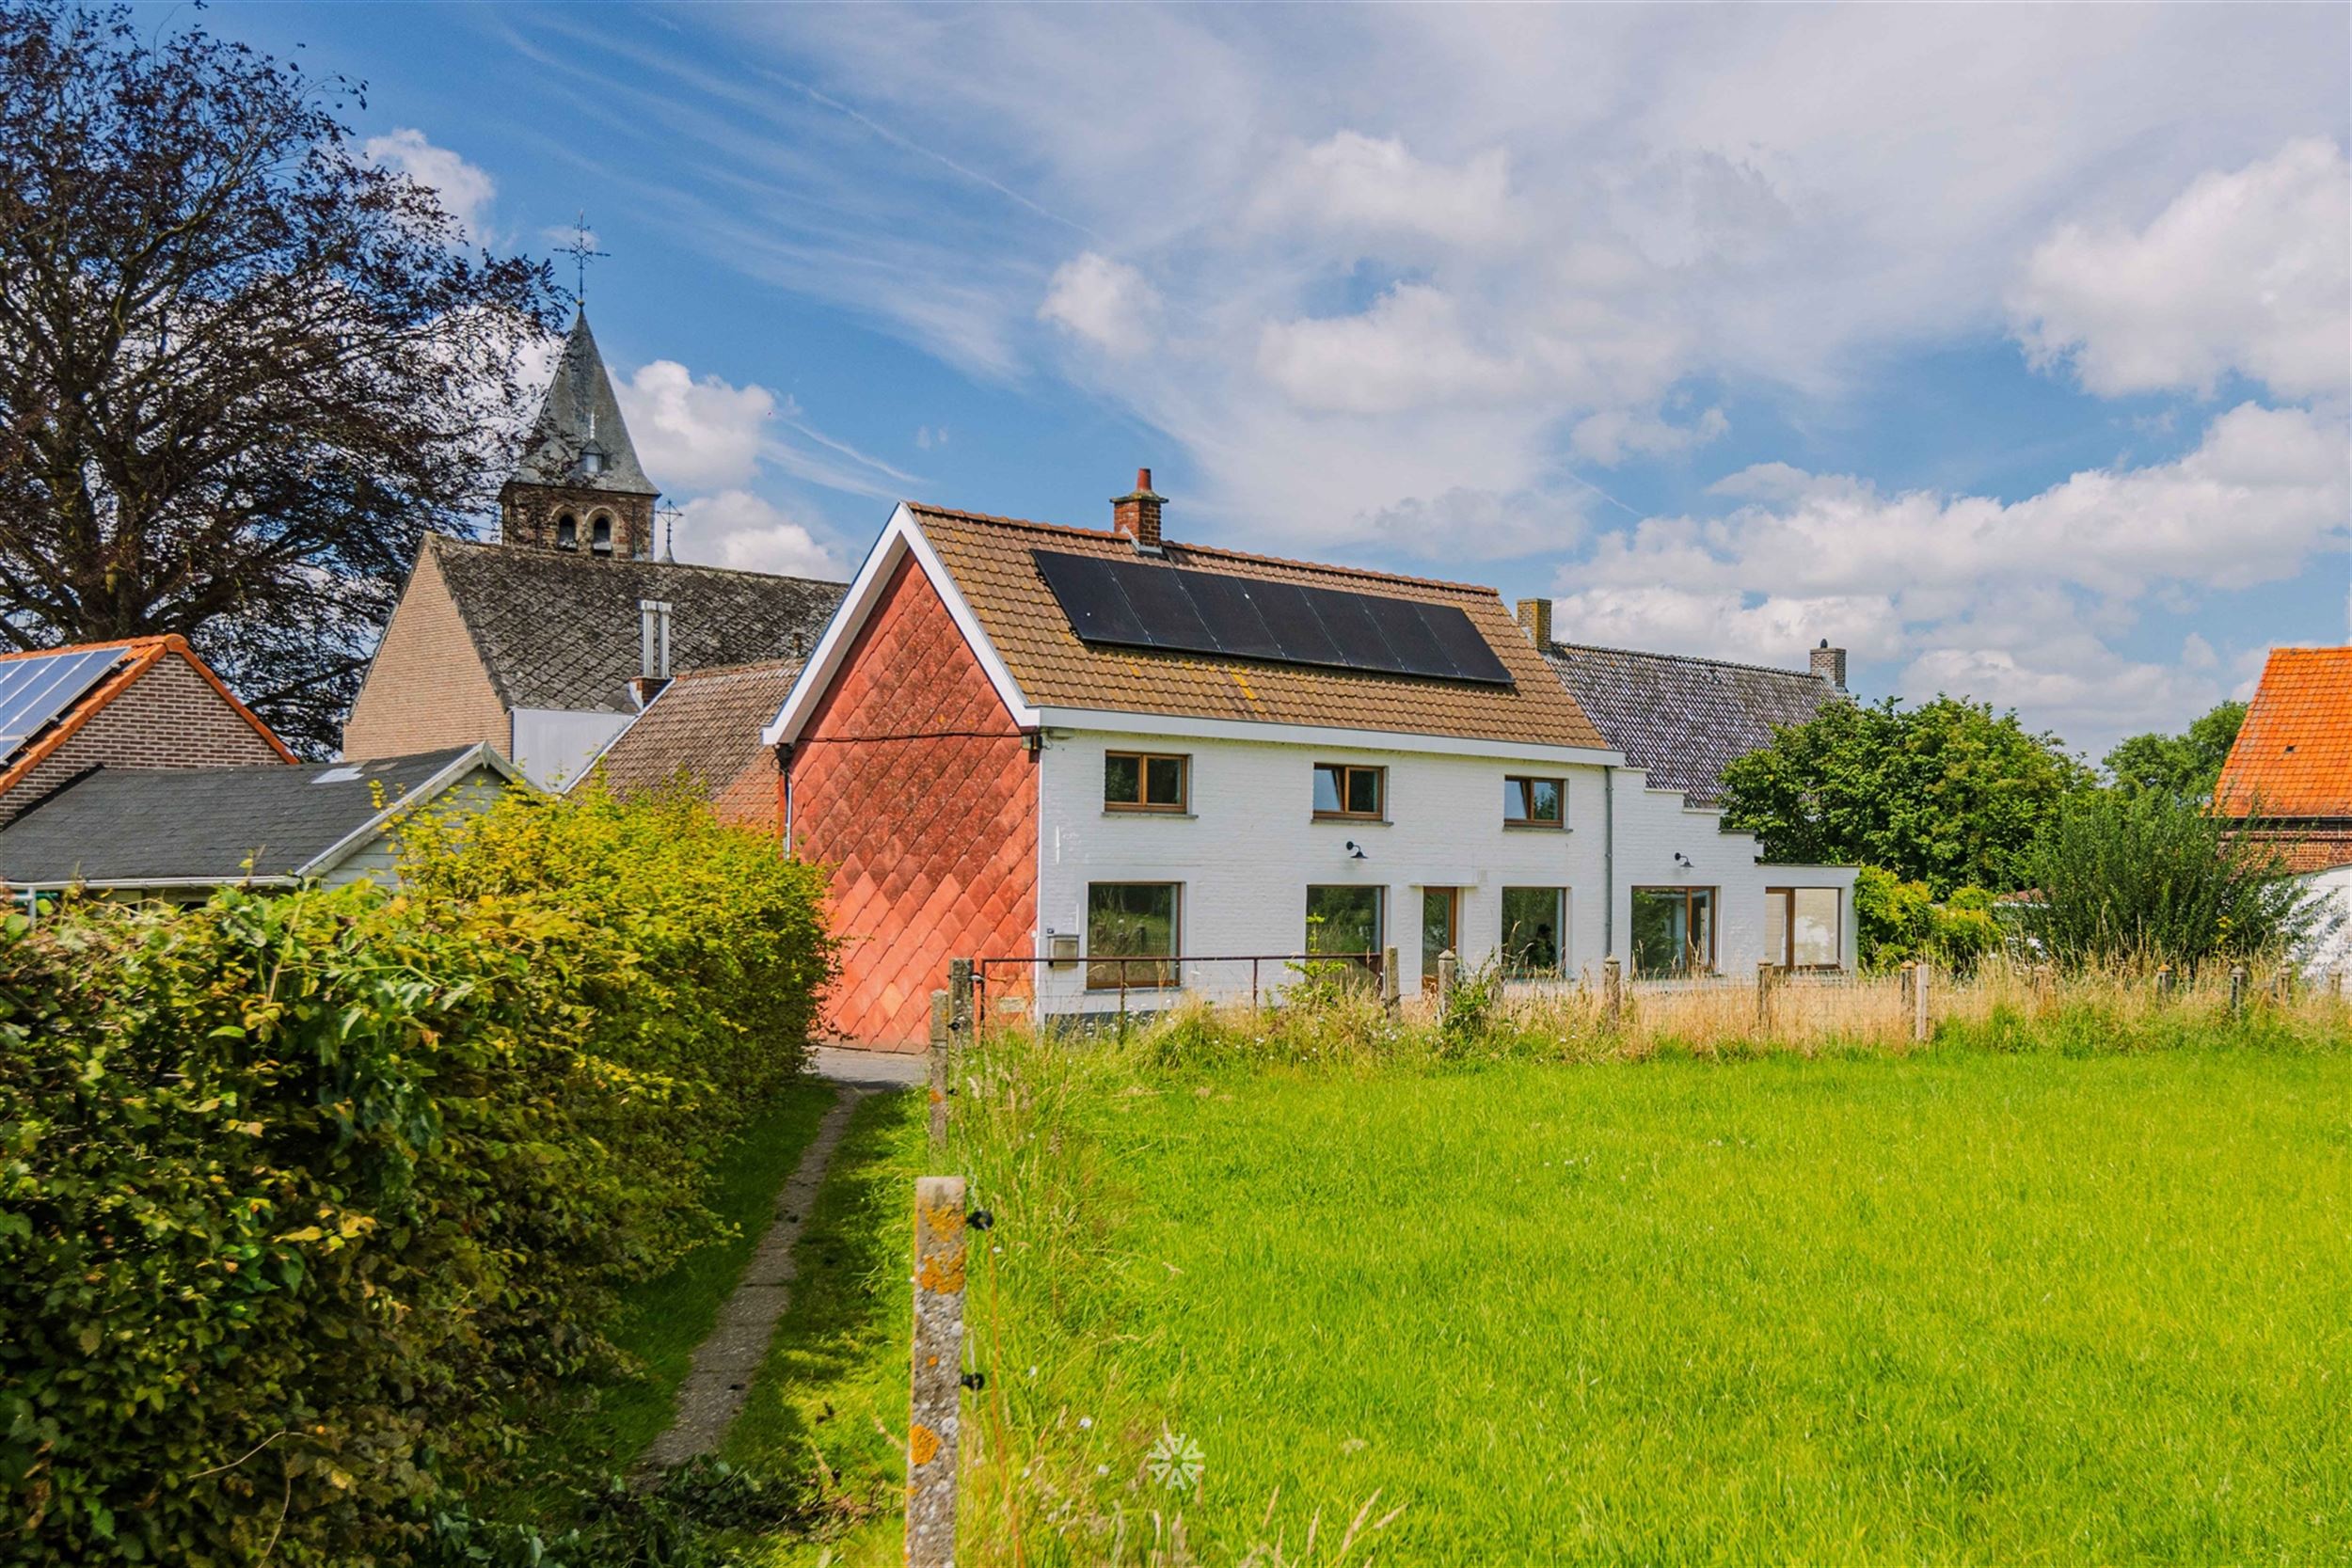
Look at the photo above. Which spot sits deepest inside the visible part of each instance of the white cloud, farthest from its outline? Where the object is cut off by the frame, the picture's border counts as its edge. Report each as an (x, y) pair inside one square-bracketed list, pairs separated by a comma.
[(1613, 435), (1409, 351), (1107, 303), (1358, 183), (465, 190), (2249, 271), (736, 528), (695, 433)]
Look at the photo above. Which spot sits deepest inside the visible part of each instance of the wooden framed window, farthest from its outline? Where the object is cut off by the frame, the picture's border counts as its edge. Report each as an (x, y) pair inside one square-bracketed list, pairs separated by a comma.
[(1131, 934), (1344, 790), (1804, 927), (1535, 932), (1534, 802), (1349, 922), (1144, 781), (1674, 932)]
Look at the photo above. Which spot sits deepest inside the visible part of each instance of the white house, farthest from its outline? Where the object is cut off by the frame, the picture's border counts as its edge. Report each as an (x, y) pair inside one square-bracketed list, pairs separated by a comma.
[(1095, 756)]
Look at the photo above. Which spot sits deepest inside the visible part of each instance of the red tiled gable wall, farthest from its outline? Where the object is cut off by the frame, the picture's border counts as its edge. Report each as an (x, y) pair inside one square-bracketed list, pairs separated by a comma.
[(169, 717), (933, 840)]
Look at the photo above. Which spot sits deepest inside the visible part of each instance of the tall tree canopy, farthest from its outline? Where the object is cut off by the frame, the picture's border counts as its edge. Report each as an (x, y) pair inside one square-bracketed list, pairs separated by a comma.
[(1947, 793), (242, 368), (2188, 765)]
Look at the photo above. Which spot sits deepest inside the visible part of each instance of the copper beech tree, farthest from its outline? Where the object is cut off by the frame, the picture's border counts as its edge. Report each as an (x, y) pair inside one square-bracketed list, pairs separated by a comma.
[(242, 368)]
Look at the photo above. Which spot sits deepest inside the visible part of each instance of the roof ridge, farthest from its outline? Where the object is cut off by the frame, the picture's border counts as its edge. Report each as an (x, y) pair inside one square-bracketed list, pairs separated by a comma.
[(139, 644), (1482, 590), (1691, 658)]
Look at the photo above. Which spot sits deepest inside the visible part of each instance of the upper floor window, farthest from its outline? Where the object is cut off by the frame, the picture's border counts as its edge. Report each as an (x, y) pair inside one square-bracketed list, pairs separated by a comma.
[(1534, 802), (1343, 789), (600, 534), (567, 532), (1139, 780)]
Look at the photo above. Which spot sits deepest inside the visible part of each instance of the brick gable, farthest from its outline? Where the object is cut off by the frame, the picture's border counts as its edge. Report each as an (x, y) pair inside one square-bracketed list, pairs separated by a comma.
[(426, 688), (166, 716), (911, 781)]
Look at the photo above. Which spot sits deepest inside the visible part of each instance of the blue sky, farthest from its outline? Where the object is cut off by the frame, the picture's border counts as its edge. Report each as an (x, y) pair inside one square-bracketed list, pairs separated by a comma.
[(2009, 348)]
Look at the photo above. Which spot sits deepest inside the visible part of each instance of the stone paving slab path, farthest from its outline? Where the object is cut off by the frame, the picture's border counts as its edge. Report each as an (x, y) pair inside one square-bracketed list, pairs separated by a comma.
[(719, 1380)]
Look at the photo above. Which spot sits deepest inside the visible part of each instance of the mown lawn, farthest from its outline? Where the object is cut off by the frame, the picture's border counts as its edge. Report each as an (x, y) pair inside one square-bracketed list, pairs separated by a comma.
[(1955, 1306)]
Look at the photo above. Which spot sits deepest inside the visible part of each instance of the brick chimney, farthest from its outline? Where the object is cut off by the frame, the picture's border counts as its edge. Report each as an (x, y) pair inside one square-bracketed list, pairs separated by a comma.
[(1136, 514), (1535, 618), (1830, 664)]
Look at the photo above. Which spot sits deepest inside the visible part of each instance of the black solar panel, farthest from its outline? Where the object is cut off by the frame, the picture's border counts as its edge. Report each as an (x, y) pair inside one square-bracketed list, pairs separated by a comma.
[(34, 691), (1144, 604)]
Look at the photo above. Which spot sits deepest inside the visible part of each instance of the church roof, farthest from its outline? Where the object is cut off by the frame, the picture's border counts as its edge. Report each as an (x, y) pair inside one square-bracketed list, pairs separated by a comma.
[(555, 631), (580, 416)]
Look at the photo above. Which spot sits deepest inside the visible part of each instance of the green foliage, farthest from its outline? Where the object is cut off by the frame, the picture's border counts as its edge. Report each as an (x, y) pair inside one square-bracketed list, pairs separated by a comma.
[(1898, 922), (2188, 765), (1949, 793), (307, 1201), (2151, 877)]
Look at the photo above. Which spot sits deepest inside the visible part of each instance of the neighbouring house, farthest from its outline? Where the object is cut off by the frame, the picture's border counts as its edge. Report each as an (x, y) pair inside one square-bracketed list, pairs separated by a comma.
[(1113, 761), (546, 643), (146, 702), (1679, 718), (2289, 775), (702, 730), (180, 832)]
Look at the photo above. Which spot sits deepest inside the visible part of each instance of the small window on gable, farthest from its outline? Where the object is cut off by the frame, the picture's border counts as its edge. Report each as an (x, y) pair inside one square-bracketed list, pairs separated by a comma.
[(591, 462), (1141, 781), (1344, 790), (567, 532), (600, 534), (1534, 802)]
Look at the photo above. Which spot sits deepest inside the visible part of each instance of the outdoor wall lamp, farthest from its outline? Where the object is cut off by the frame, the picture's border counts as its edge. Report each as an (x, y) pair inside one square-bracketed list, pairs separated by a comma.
[(1355, 852)]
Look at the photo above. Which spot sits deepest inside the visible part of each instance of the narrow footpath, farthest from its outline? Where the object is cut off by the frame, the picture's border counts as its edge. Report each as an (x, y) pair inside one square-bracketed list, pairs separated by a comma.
[(720, 1379)]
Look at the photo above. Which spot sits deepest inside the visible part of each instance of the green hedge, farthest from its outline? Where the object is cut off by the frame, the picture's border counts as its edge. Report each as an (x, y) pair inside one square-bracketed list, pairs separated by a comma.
[(306, 1201)]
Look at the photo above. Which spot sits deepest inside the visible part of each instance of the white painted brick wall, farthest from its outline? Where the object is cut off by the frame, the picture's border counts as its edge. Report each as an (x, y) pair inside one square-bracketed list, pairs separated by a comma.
[(1250, 849)]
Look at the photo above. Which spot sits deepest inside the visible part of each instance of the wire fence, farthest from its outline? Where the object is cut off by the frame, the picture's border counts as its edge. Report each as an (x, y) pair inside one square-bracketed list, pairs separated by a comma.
[(1107, 993)]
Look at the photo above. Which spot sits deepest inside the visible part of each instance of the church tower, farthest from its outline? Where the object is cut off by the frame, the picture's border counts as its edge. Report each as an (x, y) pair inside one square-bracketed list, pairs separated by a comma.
[(578, 486)]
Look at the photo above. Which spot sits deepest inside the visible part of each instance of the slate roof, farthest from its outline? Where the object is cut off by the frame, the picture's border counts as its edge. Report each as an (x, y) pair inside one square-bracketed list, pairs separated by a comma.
[(705, 726), (562, 631), (991, 563), (2292, 756), (580, 413), (1685, 719), (144, 826)]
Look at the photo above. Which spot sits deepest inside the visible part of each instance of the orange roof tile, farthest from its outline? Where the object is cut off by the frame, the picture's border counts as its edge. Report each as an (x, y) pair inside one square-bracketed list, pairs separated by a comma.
[(2294, 754), (989, 560), (703, 727)]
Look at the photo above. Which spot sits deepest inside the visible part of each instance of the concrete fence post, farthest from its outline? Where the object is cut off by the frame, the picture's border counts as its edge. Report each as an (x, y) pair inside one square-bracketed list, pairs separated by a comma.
[(1765, 976), (1612, 989), (938, 1371), (1922, 1017), (2284, 984), (1388, 990), (959, 1004), (939, 1069), (2237, 988), (2335, 986), (1449, 970), (2164, 982), (1909, 973)]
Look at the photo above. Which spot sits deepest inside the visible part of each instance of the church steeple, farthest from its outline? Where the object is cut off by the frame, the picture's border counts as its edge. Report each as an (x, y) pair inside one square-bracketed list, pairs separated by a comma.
[(580, 486)]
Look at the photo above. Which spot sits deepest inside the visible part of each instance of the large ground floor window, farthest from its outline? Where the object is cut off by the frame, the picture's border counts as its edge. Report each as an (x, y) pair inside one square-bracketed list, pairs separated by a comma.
[(1346, 920), (1802, 928), (1127, 922), (1535, 932), (1674, 931)]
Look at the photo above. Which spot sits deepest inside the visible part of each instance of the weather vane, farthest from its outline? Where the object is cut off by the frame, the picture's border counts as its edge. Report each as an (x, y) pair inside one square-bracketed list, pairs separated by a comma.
[(670, 517), (581, 250)]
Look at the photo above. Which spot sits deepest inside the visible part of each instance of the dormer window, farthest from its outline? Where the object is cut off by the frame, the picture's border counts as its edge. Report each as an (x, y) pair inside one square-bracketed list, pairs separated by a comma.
[(567, 532), (600, 534), (591, 462)]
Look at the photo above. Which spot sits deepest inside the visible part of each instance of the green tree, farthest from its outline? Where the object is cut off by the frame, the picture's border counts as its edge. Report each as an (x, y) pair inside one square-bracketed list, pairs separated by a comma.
[(242, 368), (2152, 876), (1949, 793), (2186, 764)]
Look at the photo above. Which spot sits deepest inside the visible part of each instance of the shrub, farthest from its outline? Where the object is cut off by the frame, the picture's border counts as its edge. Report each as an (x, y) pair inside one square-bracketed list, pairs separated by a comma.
[(1898, 922), (305, 1200), (2151, 877)]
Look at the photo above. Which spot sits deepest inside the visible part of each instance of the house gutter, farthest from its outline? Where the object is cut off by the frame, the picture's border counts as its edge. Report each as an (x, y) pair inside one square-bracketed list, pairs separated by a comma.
[(1608, 861)]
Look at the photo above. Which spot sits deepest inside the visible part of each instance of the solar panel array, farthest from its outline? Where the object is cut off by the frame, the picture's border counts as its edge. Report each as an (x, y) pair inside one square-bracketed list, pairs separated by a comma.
[(1142, 604), (35, 691)]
